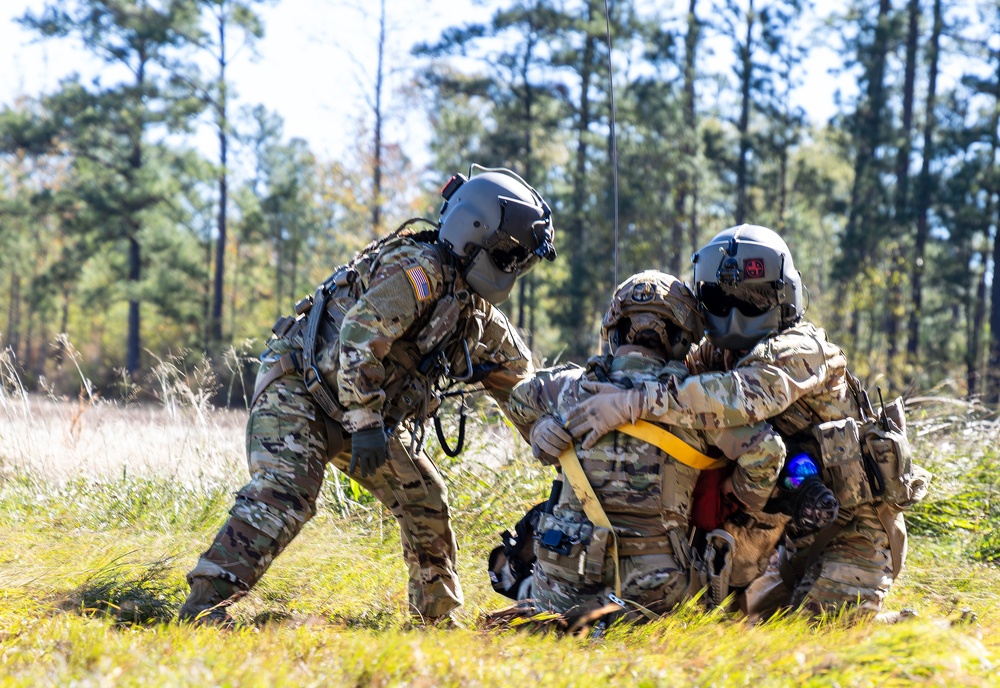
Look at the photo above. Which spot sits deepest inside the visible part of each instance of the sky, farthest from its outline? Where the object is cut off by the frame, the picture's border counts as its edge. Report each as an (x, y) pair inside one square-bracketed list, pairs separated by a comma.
[(315, 66)]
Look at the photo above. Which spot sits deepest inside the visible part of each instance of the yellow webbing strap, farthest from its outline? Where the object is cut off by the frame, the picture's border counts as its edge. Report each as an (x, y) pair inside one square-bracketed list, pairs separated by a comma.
[(584, 491), (671, 444)]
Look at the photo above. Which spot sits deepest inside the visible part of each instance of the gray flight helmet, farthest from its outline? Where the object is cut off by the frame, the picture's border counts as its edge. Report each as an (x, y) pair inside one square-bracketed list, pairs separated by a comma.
[(498, 226), (739, 262)]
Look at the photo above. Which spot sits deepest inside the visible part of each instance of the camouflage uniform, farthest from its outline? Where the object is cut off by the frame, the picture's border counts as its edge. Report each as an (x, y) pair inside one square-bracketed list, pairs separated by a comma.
[(645, 492), (797, 379), (393, 325)]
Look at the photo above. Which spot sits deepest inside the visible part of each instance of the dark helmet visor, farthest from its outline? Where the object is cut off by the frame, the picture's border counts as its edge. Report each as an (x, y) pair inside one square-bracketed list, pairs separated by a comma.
[(717, 302), (523, 238)]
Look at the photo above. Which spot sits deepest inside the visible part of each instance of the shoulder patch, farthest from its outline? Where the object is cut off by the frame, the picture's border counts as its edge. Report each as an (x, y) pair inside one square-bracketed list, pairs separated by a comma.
[(421, 285)]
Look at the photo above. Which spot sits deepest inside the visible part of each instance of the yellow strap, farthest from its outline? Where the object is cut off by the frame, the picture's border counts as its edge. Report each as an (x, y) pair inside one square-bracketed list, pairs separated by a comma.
[(647, 432), (671, 444), (584, 491)]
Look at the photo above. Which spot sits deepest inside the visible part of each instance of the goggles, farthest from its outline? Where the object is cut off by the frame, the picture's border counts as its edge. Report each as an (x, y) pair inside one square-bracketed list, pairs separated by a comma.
[(717, 302)]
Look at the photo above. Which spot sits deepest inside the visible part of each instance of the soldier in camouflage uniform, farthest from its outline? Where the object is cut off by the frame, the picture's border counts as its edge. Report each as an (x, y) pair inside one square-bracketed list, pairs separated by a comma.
[(786, 371), (354, 374), (645, 492)]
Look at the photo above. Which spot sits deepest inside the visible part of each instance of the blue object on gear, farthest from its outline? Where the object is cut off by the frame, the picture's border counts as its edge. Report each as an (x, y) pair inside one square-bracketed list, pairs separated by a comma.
[(798, 468)]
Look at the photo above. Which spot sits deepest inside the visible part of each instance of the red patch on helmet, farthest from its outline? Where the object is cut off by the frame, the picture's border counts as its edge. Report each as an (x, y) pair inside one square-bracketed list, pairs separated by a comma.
[(753, 268)]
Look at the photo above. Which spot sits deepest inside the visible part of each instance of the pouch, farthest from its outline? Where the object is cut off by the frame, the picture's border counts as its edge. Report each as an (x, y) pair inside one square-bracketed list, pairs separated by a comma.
[(571, 552), (631, 485), (843, 465), (886, 444)]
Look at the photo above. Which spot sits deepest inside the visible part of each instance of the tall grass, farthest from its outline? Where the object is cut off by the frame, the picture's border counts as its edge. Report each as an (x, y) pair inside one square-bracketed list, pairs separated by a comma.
[(105, 504)]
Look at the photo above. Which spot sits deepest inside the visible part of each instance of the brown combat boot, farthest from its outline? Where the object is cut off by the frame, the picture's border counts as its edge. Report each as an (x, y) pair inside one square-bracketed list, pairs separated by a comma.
[(206, 603)]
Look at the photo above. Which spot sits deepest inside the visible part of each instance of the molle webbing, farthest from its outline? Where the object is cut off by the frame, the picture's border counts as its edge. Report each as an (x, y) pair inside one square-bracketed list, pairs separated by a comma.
[(636, 546), (671, 444), (584, 491)]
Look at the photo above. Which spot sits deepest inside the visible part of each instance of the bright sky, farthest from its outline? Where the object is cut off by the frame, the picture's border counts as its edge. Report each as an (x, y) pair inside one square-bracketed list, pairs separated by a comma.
[(315, 66)]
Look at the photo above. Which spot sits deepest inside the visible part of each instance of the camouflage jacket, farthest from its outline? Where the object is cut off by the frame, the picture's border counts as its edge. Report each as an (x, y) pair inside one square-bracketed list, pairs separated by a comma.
[(795, 378), (644, 491), (390, 337)]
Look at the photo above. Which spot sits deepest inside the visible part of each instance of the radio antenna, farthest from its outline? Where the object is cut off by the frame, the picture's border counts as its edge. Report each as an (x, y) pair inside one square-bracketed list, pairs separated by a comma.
[(614, 135)]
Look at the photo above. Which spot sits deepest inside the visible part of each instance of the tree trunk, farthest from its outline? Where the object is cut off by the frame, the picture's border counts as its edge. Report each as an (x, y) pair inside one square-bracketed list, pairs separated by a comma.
[(992, 390), (745, 55), (924, 194), (377, 152), (579, 320), (134, 344), (973, 354), (215, 329), (14, 314), (689, 147), (864, 206), (894, 309)]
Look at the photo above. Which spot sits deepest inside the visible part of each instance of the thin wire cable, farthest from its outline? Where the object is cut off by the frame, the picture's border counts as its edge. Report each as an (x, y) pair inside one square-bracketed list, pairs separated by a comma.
[(614, 134)]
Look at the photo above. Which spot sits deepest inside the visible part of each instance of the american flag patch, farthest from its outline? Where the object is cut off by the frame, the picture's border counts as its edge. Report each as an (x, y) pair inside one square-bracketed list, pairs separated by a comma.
[(421, 286)]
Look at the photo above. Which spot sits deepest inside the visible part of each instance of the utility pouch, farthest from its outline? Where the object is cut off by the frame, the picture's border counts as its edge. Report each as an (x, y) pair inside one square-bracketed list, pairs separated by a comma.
[(407, 396), (571, 553), (443, 321), (843, 464), (886, 446), (632, 488)]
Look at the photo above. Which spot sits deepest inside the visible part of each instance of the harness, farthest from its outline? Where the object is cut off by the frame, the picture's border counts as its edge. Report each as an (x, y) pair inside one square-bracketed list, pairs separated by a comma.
[(671, 445), (420, 366)]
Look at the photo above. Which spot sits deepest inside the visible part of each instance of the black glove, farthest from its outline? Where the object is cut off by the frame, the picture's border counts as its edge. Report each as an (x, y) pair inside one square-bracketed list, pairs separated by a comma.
[(814, 506), (811, 505), (369, 449)]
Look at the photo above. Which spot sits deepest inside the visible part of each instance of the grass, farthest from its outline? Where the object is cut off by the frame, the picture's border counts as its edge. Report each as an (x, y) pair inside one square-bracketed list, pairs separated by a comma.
[(100, 524)]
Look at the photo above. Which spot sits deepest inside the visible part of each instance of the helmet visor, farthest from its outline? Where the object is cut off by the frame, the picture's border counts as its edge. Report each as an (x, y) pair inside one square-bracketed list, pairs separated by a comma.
[(716, 301), (523, 238), (510, 255)]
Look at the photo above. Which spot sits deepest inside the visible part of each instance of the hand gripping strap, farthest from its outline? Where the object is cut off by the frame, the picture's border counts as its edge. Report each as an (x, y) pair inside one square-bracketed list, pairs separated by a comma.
[(671, 444), (584, 491)]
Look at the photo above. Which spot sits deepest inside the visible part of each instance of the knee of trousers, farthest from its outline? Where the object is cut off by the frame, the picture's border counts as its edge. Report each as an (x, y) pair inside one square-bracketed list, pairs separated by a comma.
[(276, 510)]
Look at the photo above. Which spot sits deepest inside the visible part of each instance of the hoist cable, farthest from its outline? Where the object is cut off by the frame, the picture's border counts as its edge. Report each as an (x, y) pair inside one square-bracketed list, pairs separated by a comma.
[(614, 135)]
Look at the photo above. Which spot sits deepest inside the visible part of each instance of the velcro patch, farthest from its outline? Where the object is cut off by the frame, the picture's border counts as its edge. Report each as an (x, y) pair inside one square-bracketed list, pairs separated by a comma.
[(421, 285), (753, 268)]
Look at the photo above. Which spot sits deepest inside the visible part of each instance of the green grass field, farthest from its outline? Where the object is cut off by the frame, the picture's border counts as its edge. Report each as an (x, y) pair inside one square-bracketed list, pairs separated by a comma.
[(103, 509)]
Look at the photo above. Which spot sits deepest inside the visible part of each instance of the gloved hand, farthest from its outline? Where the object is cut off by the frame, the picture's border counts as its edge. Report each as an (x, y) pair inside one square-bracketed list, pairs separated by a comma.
[(607, 408), (549, 439), (369, 449), (812, 505)]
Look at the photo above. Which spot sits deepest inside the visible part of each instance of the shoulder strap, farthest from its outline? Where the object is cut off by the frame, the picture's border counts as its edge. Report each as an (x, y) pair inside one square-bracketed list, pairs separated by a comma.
[(310, 373), (672, 445)]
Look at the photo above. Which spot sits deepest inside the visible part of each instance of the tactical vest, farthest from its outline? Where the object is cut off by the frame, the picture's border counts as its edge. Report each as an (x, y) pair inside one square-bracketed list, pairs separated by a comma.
[(866, 457), (634, 478), (433, 350)]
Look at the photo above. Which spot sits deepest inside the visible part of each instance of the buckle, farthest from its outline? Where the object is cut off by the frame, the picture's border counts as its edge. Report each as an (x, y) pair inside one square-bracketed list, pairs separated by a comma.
[(282, 326), (304, 305), (556, 541)]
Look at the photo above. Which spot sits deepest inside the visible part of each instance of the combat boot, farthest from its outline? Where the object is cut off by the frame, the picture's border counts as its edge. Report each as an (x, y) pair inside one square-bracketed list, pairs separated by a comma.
[(207, 602)]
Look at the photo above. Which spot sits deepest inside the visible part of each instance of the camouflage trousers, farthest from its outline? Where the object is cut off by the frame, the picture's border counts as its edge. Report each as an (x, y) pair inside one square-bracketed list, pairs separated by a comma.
[(287, 452), (655, 582), (852, 571)]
